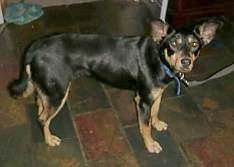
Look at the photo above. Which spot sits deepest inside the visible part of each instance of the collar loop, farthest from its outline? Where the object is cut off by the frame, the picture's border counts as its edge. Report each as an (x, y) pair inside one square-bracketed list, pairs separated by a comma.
[(173, 76)]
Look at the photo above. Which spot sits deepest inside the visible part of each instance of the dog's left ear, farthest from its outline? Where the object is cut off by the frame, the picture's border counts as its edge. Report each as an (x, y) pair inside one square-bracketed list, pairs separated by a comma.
[(207, 30), (158, 30)]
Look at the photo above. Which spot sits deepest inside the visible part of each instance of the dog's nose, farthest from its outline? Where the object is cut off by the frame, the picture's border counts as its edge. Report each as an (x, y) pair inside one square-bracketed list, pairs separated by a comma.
[(185, 62)]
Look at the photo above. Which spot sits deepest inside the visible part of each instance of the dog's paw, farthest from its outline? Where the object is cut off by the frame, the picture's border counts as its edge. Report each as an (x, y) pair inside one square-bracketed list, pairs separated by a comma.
[(159, 125), (52, 140), (153, 146)]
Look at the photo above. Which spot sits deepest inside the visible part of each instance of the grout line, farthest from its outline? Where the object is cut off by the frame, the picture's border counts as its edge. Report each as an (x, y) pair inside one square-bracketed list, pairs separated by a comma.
[(96, 110), (120, 126), (78, 136), (130, 126)]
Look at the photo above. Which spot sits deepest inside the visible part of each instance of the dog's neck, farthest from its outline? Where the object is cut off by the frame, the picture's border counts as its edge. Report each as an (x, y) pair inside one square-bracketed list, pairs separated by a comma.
[(173, 76)]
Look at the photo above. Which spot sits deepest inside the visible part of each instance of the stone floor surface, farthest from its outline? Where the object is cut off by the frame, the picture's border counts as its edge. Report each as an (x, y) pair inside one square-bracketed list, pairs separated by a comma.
[(98, 125)]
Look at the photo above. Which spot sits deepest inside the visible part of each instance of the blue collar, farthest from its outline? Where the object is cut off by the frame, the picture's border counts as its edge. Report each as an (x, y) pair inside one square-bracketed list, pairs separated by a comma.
[(172, 75)]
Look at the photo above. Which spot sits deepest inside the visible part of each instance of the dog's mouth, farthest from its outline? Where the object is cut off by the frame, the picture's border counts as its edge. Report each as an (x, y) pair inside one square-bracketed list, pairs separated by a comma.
[(185, 69)]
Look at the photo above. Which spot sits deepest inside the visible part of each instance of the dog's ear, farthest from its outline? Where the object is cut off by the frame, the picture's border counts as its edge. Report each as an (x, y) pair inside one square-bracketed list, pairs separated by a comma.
[(207, 30), (159, 30)]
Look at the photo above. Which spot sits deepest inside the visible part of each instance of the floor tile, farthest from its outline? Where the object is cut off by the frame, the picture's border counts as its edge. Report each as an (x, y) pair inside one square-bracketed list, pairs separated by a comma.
[(15, 147), (211, 151), (210, 61), (170, 91), (170, 156), (124, 104), (124, 160), (57, 16), (184, 118), (227, 84), (200, 120), (80, 12), (30, 32), (18, 149), (221, 121), (12, 112), (9, 44), (100, 135), (66, 155), (211, 97), (61, 125), (8, 68), (87, 95)]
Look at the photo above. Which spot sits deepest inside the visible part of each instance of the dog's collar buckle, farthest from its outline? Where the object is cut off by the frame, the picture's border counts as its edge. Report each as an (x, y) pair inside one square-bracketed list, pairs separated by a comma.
[(182, 78)]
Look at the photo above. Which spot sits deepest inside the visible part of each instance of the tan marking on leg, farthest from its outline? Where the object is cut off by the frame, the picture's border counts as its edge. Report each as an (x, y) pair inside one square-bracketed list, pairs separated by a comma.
[(156, 122), (43, 107), (145, 130), (151, 145), (50, 139), (137, 102), (30, 87), (39, 105)]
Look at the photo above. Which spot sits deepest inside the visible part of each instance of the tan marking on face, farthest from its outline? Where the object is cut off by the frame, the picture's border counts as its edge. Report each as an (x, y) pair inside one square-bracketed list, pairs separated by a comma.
[(177, 60), (192, 56), (195, 56), (173, 60), (179, 39), (169, 59), (192, 41)]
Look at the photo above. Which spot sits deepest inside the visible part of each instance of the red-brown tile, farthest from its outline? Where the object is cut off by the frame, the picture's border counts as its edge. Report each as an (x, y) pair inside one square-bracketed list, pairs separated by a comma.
[(100, 135), (124, 104), (125, 160), (211, 151)]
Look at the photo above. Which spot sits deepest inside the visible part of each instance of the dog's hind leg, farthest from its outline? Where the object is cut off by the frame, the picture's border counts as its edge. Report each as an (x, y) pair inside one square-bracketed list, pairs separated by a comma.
[(47, 112), (43, 106)]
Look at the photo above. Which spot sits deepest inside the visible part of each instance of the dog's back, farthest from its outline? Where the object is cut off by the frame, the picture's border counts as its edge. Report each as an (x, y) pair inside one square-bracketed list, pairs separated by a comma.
[(73, 55)]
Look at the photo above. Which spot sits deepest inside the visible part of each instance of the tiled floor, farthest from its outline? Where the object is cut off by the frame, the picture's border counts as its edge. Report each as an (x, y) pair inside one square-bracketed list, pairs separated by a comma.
[(98, 125)]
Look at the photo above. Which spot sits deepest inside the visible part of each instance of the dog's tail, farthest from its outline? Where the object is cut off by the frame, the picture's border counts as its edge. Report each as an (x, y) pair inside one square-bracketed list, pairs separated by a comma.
[(23, 86)]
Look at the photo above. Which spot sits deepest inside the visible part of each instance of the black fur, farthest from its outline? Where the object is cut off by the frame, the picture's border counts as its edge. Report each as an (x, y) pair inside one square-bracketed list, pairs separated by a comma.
[(125, 62)]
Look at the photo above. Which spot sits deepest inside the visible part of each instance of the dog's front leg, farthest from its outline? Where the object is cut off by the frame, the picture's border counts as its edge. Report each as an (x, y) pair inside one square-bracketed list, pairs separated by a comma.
[(156, 122), (144, 118)]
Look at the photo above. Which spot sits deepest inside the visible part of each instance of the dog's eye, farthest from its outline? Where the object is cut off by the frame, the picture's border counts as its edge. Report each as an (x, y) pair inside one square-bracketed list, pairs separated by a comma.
[(173, 43), (194, 44)]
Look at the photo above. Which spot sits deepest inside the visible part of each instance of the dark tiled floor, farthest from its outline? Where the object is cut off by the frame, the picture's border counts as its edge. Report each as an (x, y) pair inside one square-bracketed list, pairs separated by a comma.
[(98, 125)]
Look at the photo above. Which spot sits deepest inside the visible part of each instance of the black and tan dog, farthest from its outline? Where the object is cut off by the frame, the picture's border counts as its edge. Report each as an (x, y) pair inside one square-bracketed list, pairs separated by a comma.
[(142, 64)]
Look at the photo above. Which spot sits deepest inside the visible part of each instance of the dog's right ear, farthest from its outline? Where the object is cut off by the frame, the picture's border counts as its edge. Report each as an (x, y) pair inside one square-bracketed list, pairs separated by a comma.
[(159, 29), (207, 30)]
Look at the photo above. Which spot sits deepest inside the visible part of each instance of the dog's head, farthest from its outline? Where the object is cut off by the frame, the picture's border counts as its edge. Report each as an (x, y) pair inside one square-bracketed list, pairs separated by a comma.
[(180, 48)]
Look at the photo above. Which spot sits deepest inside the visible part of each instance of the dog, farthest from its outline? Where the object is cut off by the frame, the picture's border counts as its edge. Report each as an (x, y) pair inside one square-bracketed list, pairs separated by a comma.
[(144, 64)]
